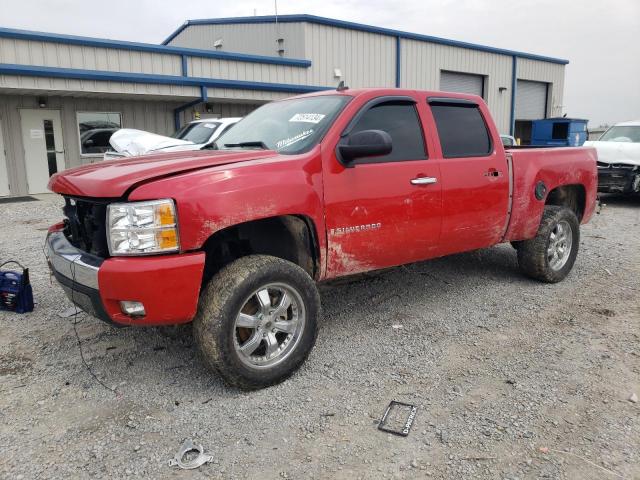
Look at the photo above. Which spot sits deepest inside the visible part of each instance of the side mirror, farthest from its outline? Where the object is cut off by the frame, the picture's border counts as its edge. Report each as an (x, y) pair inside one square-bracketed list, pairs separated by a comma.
[(367, 143), (88, 143)]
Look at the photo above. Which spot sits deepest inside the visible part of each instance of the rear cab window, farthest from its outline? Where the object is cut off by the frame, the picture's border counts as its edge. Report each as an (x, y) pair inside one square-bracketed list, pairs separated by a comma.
[(461, 128)]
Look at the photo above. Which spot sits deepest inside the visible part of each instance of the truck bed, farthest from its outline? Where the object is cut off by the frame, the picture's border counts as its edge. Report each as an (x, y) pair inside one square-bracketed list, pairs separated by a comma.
[(553, 166)]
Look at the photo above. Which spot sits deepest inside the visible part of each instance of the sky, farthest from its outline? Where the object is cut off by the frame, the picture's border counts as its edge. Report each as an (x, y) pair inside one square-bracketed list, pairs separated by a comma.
[(600, 38)]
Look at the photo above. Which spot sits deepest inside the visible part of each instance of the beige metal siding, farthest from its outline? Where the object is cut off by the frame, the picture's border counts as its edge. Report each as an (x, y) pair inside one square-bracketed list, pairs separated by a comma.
[(422, 64), (50, 54), (220, 110), (551, 73), (254, 39), (248, 71), (365, 59)]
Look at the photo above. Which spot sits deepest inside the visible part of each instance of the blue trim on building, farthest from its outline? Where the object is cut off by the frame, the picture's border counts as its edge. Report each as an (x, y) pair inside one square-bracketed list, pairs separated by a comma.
[(398, 61), (147, 47), (360, 27), (184, 66), (78, 74), (514, 86)]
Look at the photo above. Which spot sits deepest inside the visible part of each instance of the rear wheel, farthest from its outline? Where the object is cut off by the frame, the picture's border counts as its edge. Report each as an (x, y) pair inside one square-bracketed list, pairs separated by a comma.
[(550, 255), (257, 320)]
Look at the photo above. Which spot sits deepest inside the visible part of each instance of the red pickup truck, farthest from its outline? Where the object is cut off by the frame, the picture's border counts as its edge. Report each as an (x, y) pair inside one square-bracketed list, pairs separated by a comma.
[(303, 190)]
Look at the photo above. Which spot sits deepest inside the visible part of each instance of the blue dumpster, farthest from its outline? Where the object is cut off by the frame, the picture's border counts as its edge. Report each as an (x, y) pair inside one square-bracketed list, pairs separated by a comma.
[(559, 132)]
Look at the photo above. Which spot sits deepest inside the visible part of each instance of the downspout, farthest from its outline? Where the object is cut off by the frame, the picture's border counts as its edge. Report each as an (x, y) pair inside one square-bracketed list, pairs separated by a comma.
[(514, 86), (398, 61), (176, 113)]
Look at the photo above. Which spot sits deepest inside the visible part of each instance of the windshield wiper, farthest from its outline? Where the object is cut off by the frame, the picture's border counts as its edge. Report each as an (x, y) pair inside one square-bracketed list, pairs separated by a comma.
[(248, 144)]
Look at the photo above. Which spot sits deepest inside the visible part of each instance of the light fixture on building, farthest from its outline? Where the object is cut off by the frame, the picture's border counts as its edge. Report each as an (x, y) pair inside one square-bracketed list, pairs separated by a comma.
[(280, 43), (337, 73), (502, 89), (42, 102), (218, 44)]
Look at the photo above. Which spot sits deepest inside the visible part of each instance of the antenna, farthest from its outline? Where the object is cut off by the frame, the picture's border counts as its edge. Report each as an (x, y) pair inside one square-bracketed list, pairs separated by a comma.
[(341, 86)]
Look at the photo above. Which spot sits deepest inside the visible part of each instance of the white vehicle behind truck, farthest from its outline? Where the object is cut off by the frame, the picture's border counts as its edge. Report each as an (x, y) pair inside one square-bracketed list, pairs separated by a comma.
[(619, 158), (196, 135)]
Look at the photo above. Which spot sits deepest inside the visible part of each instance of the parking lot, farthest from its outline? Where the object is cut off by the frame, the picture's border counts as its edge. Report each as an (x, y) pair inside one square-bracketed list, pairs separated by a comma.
[(512, 378)]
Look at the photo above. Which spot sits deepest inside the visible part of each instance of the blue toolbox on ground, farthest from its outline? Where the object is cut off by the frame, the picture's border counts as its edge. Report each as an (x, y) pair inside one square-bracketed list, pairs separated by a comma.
[(15, 290)]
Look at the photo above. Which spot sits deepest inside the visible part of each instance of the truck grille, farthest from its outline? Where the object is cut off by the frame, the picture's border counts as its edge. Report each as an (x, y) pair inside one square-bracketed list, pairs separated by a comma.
[(85, 225)]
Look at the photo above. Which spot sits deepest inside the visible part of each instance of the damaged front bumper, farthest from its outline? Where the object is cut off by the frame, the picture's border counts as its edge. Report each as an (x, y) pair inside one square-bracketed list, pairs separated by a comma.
[(618, 178), (167, 285)]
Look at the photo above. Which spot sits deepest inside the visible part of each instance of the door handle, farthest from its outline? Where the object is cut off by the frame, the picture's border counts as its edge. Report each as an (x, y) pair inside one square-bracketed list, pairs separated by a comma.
[(492, 172), (423, 180)]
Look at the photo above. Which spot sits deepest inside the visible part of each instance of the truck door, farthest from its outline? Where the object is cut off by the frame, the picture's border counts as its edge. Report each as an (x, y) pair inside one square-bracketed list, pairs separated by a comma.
[(385, 210), (475, 177)]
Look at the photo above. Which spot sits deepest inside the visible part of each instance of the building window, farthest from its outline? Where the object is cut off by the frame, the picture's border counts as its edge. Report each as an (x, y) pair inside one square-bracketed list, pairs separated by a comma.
[(95, 129)]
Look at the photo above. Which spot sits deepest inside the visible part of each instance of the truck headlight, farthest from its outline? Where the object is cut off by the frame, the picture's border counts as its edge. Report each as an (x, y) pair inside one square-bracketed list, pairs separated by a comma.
[(142, 228)]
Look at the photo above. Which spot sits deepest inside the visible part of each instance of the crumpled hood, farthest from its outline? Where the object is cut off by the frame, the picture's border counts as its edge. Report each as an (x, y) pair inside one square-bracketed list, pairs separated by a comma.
[(112, 178), (617, 152), (131, 142)]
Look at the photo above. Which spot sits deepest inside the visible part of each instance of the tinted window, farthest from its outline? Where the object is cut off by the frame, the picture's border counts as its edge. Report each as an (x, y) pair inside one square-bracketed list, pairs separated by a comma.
[(462, 131), (400, 120)]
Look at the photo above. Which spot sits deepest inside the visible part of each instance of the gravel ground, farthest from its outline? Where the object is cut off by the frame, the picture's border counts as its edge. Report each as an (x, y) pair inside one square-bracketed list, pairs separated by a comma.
[(512, 378)]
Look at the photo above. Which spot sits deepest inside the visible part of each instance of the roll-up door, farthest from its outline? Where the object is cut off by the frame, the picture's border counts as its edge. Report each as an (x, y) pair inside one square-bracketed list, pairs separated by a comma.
[(531, 100), (462, 83)]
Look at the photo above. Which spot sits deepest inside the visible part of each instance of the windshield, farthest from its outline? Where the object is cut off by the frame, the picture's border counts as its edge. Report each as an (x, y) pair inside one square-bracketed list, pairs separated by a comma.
[(289, 126), (197, 132), (622, 134)]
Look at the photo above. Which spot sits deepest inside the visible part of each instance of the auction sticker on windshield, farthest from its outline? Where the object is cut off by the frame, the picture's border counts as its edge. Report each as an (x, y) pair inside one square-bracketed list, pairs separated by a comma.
[(209, 125), (307, 117)]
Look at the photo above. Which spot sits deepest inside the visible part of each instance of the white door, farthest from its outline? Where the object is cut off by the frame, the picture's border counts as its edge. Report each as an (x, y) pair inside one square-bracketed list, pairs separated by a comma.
[(43, 146), (4, 177)]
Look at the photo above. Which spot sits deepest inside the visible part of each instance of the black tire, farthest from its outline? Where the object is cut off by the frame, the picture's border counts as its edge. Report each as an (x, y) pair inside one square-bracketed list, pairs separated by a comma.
[(532, 254), (220, 303)]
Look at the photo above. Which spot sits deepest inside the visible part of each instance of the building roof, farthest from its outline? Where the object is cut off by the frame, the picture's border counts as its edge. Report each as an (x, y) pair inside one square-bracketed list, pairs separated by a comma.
[(360, 27)]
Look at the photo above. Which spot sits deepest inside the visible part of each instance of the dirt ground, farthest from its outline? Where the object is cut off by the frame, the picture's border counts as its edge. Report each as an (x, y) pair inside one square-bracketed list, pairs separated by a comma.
[(512, 378)]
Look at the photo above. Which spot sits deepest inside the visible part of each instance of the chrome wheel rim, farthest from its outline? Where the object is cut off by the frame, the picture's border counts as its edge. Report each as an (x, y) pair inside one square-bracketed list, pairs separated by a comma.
[(560, 244), (269, 325)]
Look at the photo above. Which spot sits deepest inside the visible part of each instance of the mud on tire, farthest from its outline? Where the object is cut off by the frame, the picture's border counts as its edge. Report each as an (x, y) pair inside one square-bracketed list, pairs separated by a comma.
[(536, 256), (220, 331)]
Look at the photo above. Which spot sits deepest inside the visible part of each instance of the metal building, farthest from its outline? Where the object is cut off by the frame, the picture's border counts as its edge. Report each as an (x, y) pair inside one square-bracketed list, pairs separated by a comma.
[(61, 96)]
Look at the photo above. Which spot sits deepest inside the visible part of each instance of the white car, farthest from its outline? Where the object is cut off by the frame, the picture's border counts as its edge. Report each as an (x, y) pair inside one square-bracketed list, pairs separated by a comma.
[(619, 158), (196, 135), (508, 141)]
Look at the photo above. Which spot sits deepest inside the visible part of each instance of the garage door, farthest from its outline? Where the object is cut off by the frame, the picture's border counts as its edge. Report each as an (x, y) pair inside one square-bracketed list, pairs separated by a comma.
[(462, 83), (531, 100)]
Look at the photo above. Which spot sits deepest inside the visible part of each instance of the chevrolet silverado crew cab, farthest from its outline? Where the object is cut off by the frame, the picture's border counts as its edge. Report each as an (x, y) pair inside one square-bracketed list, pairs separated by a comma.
[(303, 190)]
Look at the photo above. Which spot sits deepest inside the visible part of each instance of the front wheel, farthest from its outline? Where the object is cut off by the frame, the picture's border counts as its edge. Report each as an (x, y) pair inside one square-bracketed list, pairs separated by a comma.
[(550, 255), (257, 320)]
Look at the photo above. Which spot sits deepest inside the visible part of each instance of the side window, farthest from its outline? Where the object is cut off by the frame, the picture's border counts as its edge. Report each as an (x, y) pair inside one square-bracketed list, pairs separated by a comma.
[(462, 130), (400, 120)]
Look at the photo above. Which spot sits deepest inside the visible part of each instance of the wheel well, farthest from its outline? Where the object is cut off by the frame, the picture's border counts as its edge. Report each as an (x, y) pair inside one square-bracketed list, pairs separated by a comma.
[(571, 196), (289, 237)]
